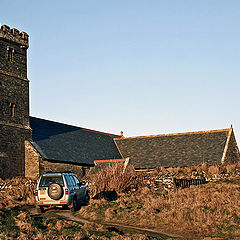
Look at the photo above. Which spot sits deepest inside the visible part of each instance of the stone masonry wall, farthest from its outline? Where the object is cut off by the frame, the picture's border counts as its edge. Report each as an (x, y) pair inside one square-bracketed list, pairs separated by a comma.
[(232, 154), (14, 102), (31, 161), (16, 42), (47, 166), (12, 151), (14, 91)]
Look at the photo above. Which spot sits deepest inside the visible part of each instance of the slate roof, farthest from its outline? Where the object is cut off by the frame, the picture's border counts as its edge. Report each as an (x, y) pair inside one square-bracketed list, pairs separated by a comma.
[(65, 143), (171, 150)]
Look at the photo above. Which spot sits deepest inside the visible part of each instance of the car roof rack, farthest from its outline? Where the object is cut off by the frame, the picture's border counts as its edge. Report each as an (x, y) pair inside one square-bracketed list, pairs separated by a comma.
[(52, 172)]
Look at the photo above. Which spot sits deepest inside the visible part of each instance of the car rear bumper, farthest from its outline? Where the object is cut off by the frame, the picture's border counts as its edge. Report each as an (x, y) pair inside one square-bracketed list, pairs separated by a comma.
[(52, 202), (62, 203)]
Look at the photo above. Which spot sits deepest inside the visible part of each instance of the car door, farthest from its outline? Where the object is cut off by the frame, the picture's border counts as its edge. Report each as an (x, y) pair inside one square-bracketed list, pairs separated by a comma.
[(76, 187), (81, 189)]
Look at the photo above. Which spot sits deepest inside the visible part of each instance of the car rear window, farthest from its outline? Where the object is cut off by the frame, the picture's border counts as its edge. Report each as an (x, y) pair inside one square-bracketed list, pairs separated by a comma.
[(48, 180)]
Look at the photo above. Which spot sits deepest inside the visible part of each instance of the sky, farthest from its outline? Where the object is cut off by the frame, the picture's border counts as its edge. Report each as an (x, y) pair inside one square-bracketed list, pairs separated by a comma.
[(143, 67)]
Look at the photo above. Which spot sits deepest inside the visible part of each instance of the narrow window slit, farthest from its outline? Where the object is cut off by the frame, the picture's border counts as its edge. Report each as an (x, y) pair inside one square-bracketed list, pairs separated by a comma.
[(10, 52), (12, 106)]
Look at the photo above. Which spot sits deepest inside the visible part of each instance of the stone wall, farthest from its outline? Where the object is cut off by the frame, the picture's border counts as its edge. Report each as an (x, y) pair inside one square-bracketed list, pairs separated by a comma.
[(14, 91), (12, 150), (14, 102), (171, 179), (31, 161), (50, 166), (232, 154), (12, 40)]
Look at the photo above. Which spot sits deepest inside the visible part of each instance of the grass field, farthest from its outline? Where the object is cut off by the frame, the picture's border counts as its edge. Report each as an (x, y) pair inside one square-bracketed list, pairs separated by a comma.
[(209, 211)]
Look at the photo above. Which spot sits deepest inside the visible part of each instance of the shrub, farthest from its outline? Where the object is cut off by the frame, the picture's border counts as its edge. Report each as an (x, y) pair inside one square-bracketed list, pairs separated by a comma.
[(115, 177)]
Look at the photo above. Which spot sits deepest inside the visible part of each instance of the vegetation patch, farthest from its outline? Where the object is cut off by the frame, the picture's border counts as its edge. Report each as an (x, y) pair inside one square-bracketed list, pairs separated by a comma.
[(8, 225), (209, 210), (119, 195)]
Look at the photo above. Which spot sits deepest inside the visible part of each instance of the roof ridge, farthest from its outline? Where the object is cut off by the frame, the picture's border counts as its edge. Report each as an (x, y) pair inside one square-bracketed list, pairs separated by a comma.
[(176, 134), (87, 129)]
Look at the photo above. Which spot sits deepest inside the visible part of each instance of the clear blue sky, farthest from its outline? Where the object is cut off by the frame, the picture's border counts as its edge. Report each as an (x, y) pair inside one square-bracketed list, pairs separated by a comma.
[(141, 66)]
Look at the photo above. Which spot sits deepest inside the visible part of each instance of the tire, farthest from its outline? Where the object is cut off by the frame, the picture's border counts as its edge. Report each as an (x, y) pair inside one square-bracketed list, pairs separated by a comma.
[(86, 199), (40, 210), (55, 191), (64, 207), (74, 205)]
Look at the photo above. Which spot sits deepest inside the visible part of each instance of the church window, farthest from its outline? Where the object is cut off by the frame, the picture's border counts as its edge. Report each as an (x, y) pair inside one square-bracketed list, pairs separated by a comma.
[(10, 52), (12, 107)]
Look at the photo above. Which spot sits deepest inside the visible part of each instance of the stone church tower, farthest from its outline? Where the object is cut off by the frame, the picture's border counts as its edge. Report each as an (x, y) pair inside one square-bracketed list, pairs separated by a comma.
[(14, 102)]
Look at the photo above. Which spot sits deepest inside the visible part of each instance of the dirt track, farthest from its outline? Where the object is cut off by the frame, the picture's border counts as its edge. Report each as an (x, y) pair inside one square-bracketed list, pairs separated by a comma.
[(127, 228)]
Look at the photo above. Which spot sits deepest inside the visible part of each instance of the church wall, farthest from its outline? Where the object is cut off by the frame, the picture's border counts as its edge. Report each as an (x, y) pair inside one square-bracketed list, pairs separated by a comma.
[(16, 43), (31, 161), (12, 150), (14, 91), (14, 102), (49, 166)]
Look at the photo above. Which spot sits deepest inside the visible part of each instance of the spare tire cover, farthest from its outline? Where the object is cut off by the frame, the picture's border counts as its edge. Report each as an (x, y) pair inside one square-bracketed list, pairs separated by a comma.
[(55, 191)]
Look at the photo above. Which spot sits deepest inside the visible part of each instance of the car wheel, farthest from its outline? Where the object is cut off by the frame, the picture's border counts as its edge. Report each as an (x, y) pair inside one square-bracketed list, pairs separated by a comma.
[(40, 210), (55, 191), (86, 199), (74, 205), (64, 207)]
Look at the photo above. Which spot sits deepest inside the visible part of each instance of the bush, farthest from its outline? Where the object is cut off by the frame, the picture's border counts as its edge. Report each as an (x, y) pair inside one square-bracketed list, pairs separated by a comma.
[(115, 177)]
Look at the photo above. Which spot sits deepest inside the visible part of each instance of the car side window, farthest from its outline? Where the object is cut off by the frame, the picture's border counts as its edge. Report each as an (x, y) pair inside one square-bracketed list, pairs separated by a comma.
[(76, 180), (69, 183), (73, 181)]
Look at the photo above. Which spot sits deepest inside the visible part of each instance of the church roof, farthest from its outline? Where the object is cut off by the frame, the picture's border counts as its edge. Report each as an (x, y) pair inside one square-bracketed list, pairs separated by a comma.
[(169, 150), (65, 143)]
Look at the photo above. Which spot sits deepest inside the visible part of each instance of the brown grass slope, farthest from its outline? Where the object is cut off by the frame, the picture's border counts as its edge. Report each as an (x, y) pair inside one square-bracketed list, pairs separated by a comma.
[(211, 210)]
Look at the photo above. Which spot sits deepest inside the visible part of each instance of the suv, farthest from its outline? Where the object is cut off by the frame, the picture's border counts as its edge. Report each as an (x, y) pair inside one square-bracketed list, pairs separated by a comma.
[(60, 189)]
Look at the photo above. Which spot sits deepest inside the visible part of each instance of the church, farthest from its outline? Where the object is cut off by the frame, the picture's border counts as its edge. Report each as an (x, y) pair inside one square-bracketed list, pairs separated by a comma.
[(30, 146)]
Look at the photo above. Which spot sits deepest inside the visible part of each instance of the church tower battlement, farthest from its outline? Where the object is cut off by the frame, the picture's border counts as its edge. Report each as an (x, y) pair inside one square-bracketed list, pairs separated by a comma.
[(13, 52), (14, 101), (14, 35)]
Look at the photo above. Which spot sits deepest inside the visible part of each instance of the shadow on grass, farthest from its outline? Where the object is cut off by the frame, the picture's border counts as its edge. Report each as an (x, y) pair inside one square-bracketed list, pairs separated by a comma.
[(107, 195)]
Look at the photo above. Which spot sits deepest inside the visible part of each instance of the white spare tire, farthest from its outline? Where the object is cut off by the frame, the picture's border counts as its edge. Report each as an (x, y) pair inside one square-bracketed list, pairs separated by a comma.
[(55, 191)]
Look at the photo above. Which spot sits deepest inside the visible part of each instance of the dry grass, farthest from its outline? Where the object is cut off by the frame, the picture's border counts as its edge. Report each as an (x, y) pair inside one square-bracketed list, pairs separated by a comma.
[(16, 192), (115, 177), (212, 209), (16, 223), (196, 208), (198, 212), (207, 210), (21, 225)]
